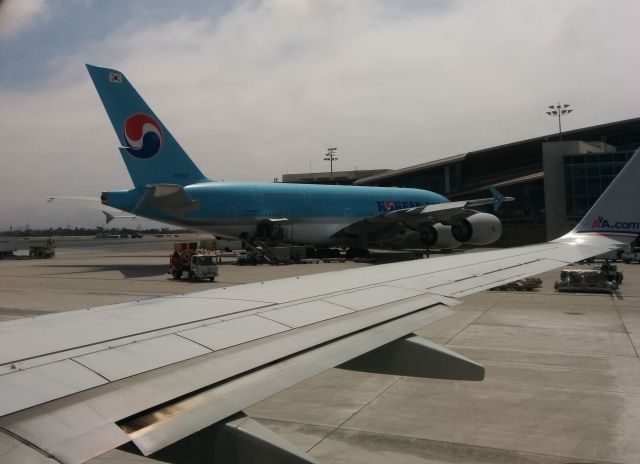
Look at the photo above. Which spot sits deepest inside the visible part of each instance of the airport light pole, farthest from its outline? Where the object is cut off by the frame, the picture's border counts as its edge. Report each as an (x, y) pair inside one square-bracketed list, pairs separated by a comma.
[(331, 157), (559, 110)]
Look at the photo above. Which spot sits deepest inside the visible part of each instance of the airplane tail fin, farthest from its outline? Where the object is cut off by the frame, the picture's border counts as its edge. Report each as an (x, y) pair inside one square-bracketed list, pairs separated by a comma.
[(498, 198), (150, 152), (615, 213)]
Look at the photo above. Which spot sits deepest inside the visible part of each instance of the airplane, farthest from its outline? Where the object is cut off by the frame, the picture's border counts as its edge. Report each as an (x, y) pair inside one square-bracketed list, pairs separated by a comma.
[(170, 188), (169, 377)]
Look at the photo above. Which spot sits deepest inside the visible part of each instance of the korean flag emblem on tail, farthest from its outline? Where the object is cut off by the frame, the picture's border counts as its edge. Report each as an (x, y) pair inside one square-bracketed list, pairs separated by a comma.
[(115, 77)]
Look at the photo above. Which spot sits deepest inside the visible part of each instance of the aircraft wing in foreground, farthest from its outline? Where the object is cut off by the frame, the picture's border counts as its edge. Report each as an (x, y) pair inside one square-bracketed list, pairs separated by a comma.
[(150, 374)]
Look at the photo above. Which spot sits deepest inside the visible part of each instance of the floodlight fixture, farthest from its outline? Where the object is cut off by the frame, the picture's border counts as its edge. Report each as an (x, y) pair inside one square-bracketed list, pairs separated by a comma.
[(558, 110), (331, 157)]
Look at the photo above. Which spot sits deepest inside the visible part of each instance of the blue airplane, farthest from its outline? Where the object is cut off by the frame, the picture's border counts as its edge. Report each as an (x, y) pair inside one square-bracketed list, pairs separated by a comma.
[(169, 187)]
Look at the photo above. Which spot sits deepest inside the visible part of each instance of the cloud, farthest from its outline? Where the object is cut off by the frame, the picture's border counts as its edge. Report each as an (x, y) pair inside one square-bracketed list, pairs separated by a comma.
[(268, 86), (15, 15)]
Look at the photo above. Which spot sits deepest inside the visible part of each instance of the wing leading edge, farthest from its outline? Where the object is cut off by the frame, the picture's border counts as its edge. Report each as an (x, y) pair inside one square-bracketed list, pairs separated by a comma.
[(152, 375)]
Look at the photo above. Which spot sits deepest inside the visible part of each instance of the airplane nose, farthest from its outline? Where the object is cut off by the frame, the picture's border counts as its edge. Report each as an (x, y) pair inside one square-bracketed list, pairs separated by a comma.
[(104, 198)]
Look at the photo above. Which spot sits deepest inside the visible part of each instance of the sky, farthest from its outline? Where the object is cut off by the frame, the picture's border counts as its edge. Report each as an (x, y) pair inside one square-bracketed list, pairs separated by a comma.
[(258, 88)]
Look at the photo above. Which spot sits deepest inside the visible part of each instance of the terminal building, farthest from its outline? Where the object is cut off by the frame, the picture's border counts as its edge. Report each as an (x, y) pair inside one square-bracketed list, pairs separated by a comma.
[(554, 181)]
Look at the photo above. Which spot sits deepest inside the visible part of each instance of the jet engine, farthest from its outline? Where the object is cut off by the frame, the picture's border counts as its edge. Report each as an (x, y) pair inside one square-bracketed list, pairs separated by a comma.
[(439, 236), (477, 229)]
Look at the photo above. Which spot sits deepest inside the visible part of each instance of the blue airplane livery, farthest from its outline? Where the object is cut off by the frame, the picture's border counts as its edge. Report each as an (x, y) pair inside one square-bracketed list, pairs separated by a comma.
[(169, 187)]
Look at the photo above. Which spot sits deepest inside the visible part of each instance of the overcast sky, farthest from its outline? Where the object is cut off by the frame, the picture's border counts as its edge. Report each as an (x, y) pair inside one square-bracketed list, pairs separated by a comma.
[(255, 89)]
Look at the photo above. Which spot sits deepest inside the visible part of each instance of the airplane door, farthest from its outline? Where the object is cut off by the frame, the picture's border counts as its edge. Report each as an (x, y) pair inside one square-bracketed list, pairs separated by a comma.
[(306, 195), (232, 212), (347, 212), (288, 227), (258, 195)]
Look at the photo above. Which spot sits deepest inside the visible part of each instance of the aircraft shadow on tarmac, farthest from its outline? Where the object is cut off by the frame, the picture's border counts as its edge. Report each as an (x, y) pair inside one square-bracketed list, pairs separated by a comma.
[(129, 271)]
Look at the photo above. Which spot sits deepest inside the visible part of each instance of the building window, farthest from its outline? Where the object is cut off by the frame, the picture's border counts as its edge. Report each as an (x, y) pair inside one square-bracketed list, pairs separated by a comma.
[(586, 177)]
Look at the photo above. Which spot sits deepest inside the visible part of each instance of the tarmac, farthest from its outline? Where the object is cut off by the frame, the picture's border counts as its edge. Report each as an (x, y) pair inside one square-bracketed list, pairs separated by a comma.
[(562, 370)]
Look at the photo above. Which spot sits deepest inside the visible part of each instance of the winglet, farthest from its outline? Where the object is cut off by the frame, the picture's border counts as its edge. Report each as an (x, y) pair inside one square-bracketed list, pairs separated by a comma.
[(615, 213), (498, 198)]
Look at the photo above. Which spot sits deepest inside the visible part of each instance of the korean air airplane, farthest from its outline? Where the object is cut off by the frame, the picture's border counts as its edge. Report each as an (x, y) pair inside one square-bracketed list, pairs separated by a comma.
[(170, 188)]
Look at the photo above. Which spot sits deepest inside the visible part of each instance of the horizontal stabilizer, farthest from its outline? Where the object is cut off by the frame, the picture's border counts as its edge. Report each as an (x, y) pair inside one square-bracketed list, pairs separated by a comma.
[(170, 198), (414, 356), (110, 217)]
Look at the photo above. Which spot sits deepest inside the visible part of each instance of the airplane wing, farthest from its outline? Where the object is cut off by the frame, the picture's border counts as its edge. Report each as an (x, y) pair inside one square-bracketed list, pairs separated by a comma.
[(149, 373), (417, 218)]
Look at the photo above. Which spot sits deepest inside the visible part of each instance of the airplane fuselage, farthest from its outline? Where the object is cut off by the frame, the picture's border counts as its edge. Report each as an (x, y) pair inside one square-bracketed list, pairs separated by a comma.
[(309, 214)]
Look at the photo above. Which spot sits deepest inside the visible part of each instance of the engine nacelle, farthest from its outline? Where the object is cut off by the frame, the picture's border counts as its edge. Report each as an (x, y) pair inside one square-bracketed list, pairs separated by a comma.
[(477, 229), (439, 236)]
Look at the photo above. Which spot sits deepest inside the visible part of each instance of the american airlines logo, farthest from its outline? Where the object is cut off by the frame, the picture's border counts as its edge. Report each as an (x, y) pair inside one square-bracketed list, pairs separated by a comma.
[(602, 223), (389, 205)]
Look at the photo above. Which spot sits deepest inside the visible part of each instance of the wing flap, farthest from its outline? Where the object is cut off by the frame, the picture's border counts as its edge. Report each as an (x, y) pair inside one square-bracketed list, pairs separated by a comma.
[(72, 434), (163, 427)]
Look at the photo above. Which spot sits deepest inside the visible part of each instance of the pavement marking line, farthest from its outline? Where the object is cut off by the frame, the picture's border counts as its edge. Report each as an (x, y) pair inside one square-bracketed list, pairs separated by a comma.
[(472, 322), (355, 413), (626, 331)]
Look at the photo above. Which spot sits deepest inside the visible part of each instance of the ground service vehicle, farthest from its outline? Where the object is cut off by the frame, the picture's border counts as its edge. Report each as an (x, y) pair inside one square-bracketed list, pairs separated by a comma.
[(197, 263), (7, 246), (611, 272), (633, 255), (585, 280), (45, 248)]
